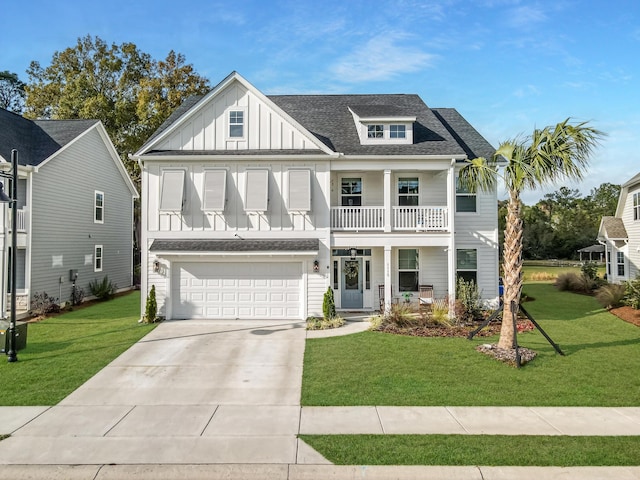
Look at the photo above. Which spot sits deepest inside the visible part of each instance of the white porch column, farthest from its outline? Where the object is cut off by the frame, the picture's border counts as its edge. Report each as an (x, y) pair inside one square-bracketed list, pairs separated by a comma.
[(387, 279), (451, 207), (387, 200)]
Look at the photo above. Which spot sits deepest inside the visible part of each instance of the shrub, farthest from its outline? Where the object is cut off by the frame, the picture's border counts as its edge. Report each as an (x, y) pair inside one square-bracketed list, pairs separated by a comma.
[(151, 307), (328, 305), (402, 315), (632, 293), (42, 304), (103, 290), (440, 312), (542, 276), (576, 282), (610, 295), (590, 270), (314, 323), (77, 295), (468, 296)]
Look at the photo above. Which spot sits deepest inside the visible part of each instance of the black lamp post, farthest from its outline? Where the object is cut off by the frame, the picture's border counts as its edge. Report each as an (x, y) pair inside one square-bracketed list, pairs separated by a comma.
[(13, 204)]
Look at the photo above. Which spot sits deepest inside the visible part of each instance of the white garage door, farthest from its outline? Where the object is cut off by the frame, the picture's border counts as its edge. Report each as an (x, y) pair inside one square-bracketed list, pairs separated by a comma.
[(237, 290)]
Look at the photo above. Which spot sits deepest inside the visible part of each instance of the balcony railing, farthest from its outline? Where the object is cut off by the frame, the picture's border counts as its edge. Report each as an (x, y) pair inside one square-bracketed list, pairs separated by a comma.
[(417, 218), (357, 218), (21, 221), (425, 219)]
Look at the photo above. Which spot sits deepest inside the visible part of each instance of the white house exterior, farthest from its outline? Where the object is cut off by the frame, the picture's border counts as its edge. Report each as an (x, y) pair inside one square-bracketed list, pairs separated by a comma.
[(253, 205), (620, 234), (74, 209)]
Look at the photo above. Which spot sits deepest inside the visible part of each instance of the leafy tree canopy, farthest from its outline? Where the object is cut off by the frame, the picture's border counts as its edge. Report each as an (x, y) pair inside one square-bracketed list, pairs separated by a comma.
[(130, 92), (11, 92)]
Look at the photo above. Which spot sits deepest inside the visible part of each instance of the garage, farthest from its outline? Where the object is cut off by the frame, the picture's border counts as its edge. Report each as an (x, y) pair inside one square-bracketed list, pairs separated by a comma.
[(234, 290)]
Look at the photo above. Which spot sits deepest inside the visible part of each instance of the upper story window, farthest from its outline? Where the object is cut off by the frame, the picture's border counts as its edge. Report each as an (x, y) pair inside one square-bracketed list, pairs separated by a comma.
[(172, 191), (236, 123), (98, 207), (256, 190), (465, 200), (215, 183), (300, 190), (636, 206), (408, 191), (375, 131), (408, 270), (467, 264), (397, 131), (351, 192)]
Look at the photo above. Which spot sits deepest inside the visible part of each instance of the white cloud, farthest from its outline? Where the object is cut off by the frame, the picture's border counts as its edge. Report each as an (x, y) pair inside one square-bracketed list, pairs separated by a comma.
[(526, 16), (381, 58)]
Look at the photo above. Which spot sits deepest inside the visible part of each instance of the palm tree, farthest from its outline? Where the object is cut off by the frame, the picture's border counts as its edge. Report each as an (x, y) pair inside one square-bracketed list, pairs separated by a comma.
[(551, 154)]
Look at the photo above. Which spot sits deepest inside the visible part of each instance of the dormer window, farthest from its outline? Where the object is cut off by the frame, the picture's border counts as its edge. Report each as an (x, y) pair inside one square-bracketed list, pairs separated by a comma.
[(375, 131), (397, 131)]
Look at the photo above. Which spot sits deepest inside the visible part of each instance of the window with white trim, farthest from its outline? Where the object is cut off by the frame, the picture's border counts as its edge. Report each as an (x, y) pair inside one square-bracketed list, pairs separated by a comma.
[(408, 191), (467, 264), (620, 258), (256, 191), (351, 192), (465, 200), (375, 131), (300, 190), (214, 191), (98, 207), (97, 258), (408, 270), (636, 206), (397, 131), (172, 191), (236, 123)]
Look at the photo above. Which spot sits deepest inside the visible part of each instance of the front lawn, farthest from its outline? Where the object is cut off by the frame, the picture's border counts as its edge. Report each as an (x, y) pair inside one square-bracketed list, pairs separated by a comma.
[(372, 368), (65, 351)]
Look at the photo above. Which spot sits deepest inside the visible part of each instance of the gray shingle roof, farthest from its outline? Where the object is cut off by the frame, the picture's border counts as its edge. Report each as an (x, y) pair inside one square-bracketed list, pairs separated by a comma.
[(36, 140), (614, 228), (237, 245), (380, 111)]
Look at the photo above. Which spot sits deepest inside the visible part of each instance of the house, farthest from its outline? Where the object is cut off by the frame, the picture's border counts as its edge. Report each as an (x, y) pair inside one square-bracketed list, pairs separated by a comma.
[(620, 234), (74, 208), (254, 205)]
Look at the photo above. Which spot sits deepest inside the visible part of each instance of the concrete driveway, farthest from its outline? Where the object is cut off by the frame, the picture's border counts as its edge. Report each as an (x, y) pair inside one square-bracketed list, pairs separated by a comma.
[(190, 392)]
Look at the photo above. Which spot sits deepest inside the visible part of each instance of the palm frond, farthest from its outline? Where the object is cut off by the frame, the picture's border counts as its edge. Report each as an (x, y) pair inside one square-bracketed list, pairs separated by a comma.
[(478, 174)]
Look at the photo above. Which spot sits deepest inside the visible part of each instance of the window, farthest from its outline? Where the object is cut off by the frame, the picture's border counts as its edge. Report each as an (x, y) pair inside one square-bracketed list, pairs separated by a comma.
[(397, 131), (408, 191), (367, 275), (335, 274), (408, 270), (465, 200), (351, 192), (236, 124), (257, 191), (97, 258), (375, 131), (214, 193), (172, 191), (608, 263), (636, 206), (467, 264), (98, 207), (300, 190), (620, 257)]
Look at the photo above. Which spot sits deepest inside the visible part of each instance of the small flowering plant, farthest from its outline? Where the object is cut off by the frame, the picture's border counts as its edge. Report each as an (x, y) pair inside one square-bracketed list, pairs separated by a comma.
[(407, 296)]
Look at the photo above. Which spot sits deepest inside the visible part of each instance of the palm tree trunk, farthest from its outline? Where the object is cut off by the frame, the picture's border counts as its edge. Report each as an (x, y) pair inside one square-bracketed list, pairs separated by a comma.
[(512, 268)]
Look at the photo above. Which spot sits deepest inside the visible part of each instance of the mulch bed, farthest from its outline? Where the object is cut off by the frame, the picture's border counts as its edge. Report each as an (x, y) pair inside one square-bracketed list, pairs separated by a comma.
[(455, 331), (627, 314)]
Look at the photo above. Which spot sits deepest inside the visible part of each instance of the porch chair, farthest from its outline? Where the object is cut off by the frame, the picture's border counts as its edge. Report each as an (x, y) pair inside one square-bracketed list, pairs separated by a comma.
[(381, 296), (425, 296)]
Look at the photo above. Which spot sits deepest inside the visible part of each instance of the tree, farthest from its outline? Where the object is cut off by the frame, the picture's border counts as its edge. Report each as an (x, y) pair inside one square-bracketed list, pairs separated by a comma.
[(549, 155), (11, 92)]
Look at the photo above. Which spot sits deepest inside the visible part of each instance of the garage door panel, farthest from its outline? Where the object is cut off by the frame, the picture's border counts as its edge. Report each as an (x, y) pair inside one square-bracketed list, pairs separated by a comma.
[(237, 290)]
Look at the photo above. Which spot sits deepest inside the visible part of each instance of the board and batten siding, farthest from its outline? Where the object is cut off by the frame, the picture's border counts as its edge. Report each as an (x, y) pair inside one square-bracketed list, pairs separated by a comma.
[(64, 234), (633, 231), (265, 128)]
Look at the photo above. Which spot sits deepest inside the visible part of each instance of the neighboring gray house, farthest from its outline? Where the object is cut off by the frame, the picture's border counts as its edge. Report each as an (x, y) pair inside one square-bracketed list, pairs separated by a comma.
[(620, 234), (254, 205), (75, 208)]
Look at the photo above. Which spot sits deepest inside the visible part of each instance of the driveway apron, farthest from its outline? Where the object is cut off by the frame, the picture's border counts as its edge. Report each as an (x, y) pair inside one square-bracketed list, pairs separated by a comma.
[(192, 391)]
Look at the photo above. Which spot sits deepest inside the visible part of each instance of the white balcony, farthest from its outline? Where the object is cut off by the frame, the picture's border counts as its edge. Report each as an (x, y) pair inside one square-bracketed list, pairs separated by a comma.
[(21, 221), (414, 218)]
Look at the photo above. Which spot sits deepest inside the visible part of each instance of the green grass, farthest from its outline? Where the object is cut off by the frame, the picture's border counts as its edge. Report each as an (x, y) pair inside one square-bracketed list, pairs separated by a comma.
[(65, 351), (371, 368), (487, 450), (536, 271)]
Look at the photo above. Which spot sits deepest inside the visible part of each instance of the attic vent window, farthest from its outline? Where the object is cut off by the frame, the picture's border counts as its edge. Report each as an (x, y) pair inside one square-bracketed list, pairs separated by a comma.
[(375, 131), (236, 124), (397, 131)]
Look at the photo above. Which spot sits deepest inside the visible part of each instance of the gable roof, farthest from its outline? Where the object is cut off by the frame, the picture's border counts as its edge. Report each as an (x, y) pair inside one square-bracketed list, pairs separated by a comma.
[(329, 119), (612, 228), (36, 140)]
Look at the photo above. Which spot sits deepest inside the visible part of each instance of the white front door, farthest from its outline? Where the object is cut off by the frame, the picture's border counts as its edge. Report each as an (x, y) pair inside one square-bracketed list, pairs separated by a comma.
[(237, 290)]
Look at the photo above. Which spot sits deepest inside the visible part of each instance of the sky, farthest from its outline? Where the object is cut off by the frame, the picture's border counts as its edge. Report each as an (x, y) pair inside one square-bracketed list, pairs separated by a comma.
[(508, 66)]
